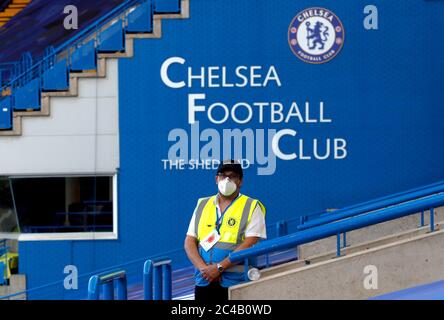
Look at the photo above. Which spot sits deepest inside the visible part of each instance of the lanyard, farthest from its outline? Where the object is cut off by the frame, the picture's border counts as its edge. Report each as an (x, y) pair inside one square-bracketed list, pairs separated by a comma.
[(219, 220)]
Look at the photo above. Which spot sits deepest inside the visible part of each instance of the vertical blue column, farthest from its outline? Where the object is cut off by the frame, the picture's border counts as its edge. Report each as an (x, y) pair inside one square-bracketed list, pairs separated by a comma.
[(167, 282), (93, 288), (267, 260), (157, 279), (122, 293), (148, 280), (246, 270), (281, 228), (338, 245), (278, 229), (157, 283), (432, 219), (108, 290)]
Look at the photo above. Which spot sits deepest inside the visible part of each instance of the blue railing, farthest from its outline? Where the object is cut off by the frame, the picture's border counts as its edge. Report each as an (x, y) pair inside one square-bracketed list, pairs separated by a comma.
[(106, 283), (375, 205), (132, 269), (35, 70), (338, 227), (157, 280), (284, 241)]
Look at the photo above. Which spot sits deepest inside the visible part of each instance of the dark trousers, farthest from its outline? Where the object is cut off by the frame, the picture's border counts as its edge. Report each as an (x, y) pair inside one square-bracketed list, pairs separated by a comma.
[(214, 292)]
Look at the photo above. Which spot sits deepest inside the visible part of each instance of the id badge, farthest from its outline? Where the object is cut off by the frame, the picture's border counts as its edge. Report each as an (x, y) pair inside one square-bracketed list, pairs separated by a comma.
[(210, 240)]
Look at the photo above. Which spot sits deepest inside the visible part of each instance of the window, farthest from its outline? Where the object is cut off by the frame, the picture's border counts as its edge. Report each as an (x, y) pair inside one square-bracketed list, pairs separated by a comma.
[(8, 217), (73, 207)]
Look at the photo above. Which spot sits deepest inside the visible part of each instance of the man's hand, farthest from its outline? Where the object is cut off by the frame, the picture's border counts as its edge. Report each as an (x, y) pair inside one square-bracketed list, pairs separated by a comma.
[(210, 273), (248, 242), (193, 253)]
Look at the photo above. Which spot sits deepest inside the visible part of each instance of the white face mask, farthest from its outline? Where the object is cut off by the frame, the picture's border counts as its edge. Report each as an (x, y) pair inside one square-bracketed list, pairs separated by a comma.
[(226, 187)]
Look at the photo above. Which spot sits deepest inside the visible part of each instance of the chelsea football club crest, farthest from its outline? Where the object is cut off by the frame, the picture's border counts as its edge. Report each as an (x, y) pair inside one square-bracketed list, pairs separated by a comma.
[(316, 35)]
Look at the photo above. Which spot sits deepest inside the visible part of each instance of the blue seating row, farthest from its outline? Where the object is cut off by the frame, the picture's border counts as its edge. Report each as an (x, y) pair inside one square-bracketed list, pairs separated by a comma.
[(51, 72)]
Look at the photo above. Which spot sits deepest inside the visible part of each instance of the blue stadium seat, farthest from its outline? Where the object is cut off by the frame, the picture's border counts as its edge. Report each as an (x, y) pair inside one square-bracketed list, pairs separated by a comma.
[(112, 39), (140, 20), (42, 21), (56, 78), (5, 113), (166, 6), (28, 96), (84, 57)]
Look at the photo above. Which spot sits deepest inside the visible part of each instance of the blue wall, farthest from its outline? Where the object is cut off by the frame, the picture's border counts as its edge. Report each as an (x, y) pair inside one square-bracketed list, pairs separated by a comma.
[(382, 92)]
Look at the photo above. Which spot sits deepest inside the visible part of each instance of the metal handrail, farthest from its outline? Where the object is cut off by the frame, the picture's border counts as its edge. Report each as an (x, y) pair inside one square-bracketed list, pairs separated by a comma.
[(157, 272), (78, 38), (89, 274), (375, 204), (279, 226), (275, 244), (155, 257), (401, 193), (338, 227), (106, 281)]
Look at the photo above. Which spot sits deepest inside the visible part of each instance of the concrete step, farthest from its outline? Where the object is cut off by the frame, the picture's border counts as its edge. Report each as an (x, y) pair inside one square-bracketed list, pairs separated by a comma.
[(403, 260), (17, 283), (369, 233), (348, 250)]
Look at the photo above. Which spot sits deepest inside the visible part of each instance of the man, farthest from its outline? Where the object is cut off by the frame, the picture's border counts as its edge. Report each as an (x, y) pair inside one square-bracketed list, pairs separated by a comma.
[(223, 223)]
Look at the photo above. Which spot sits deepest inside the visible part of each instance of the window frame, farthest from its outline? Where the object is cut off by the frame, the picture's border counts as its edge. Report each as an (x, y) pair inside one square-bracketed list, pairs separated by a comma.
[(47, 236)]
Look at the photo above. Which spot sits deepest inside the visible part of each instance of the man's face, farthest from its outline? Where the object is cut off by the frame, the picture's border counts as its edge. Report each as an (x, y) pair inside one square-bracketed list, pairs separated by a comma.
[(234, 177)]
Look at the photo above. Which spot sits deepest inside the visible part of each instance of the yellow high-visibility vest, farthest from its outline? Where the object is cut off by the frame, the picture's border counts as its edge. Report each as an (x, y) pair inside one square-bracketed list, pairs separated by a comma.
[(234, 221)]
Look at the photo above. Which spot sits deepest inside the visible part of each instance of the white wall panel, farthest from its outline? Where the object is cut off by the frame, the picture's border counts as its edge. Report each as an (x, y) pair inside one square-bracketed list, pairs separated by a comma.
[(80, 136)]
